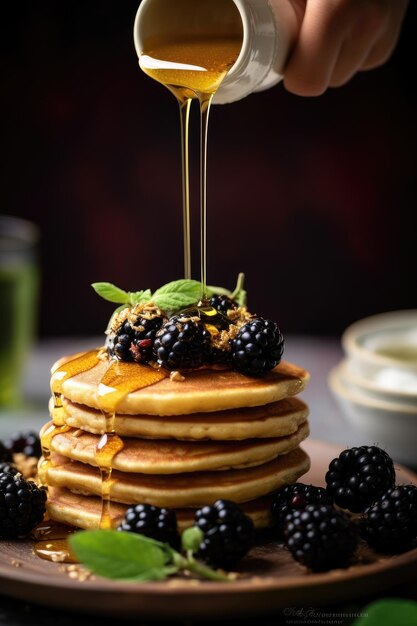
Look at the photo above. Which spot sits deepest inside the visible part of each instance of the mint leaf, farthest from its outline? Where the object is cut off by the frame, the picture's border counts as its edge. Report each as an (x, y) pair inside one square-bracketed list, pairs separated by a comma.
[(139, 297), (173, 302), (177, 294), (388, 612), (131, 557), (172, 297), (191, 288), (134, 297), (110, 292), (122, 555)]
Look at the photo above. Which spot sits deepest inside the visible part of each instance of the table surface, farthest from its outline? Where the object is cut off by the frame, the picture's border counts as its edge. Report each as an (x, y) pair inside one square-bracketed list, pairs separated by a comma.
[(317, 355)]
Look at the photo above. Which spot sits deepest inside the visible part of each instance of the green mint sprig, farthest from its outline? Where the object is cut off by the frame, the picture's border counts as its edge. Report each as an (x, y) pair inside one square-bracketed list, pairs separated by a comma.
[(387, 612), (110, 292), (170, 298), (177, 295), (239, 294), (135, 558)]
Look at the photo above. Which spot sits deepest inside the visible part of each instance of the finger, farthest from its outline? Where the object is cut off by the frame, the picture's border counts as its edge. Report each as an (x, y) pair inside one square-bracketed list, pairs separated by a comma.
[(384, 46), (315, 55), (356, 48)]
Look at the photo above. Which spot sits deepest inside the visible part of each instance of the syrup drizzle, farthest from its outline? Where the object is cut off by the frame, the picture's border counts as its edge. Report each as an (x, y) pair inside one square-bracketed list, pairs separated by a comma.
[(61, 373), (205, 102), (192, 67), (185, 123), (77, 365), (118, 381), (51, 542)]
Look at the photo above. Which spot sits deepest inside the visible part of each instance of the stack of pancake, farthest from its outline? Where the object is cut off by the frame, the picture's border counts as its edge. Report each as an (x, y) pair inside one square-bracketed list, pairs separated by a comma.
[(215, 434)]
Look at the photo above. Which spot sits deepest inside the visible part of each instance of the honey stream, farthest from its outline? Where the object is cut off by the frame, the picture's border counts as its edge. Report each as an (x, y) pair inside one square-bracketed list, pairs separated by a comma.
[(192, 68), (118, 381)]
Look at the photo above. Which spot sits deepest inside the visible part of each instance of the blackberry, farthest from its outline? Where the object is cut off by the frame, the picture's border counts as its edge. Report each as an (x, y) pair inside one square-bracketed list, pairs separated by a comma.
[(258, 347), (141, 348), (228, 533), (223, 303), (121, 342), (7, 467), (390, 524), (210, 317), (22, 506), (219, 357), (5, 454), (26, 442), (134, 342), (320, 537), (359, 476), (182, 343), (153, 522), (296, 496)]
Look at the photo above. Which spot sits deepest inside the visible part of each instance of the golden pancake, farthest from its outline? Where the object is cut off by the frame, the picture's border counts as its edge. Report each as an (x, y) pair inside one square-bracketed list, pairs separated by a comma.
[(180, 490), (149, 456), (204, 390), (271, 420), (84, 511)]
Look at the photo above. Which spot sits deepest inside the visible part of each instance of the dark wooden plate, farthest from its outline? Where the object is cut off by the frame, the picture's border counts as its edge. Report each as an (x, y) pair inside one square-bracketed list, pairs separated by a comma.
[(271, 578)]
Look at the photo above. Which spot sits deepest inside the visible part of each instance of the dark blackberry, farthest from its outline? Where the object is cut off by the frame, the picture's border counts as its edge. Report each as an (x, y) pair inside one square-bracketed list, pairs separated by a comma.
[(134, 342), (219, 357), (210, 317), (119, 343), (153, 522), (6, 467), (22, 506), (5, 454), (228, 533), (218, 325), (25, 442), (141, 348), (320, 537), (258, 347), (223, 304), (182, 343), (359, 476), (296, 496), (390, 524)]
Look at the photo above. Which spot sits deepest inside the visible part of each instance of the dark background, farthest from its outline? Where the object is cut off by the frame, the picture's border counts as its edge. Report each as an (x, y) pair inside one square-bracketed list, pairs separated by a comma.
[(314, 199)]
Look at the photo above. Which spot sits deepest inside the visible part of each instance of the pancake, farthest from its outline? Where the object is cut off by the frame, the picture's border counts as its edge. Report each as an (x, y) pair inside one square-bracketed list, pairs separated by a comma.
[(180, 490), (84, 511), (204, 390), (150, 456), (217, 434), (272, 420)]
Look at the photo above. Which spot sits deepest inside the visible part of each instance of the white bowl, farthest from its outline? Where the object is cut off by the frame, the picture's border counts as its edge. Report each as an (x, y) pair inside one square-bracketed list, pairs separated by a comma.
[(382, 341), (389, 385), (392, 426)]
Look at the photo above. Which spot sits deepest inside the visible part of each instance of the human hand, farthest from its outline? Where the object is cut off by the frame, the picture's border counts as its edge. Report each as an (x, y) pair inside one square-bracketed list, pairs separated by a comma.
[(339, 38)]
